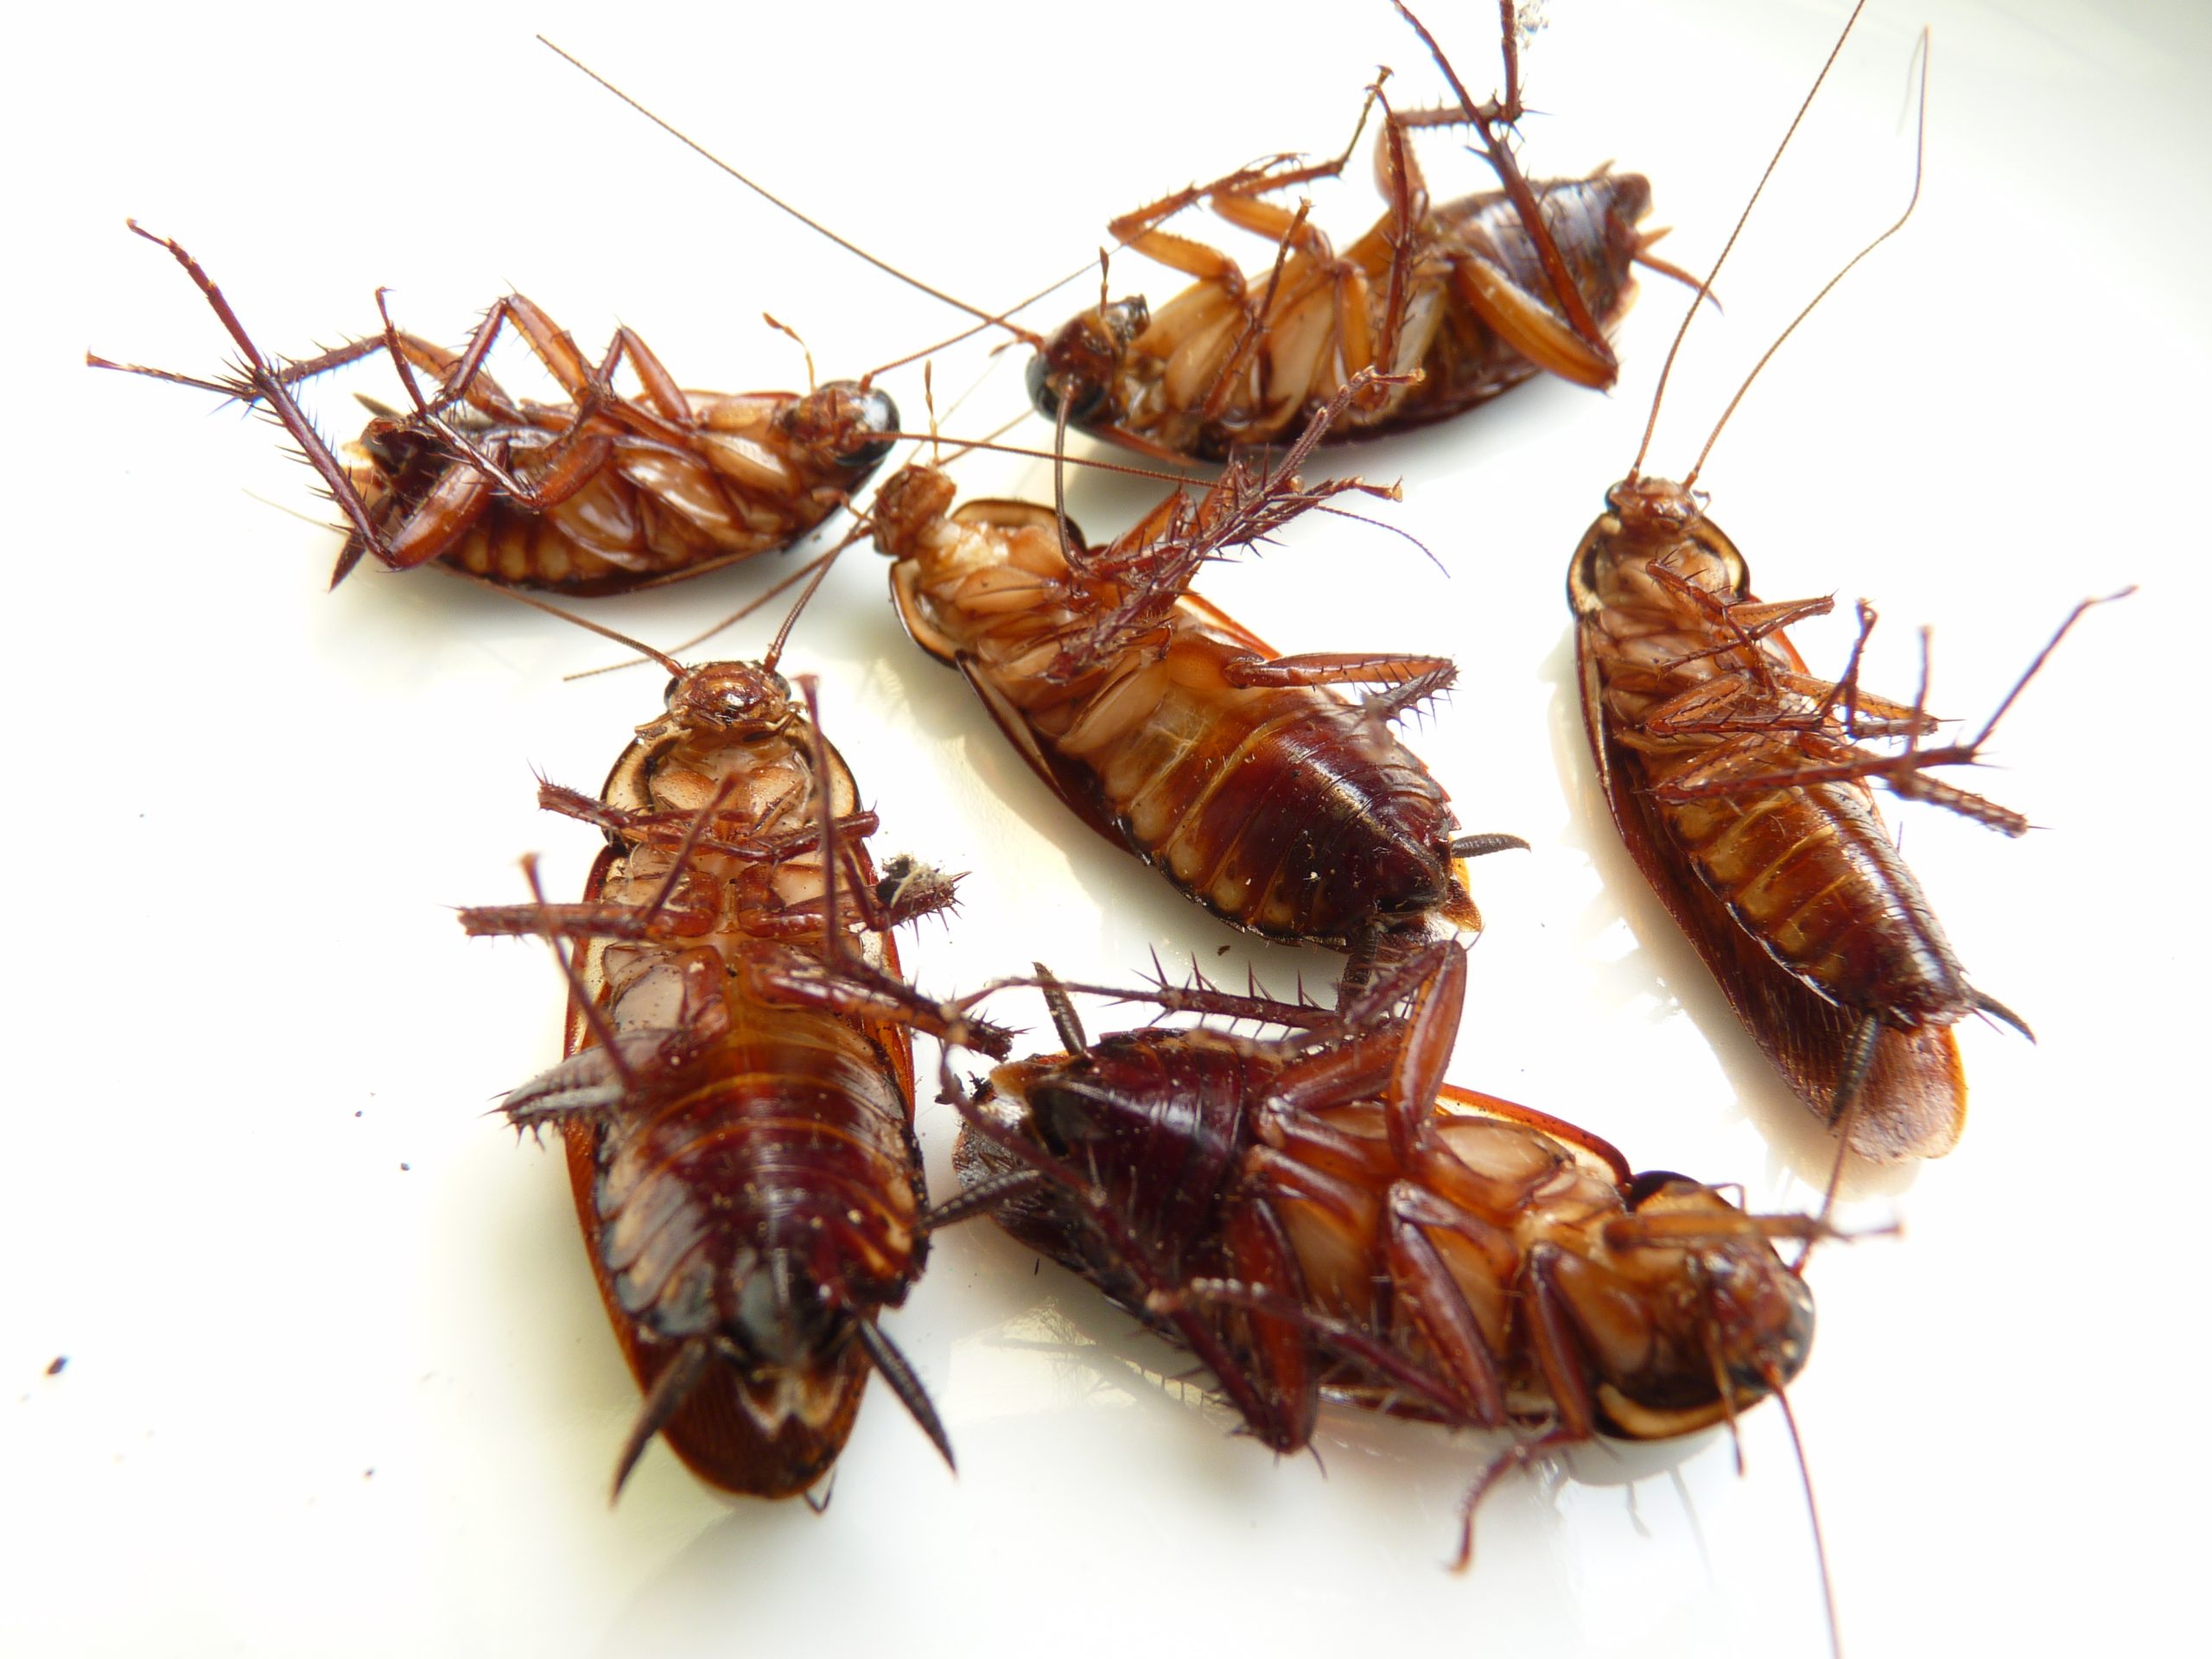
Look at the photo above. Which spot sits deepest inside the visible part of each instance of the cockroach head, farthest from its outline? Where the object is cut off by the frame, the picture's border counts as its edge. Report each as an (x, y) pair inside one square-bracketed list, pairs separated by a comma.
[(742, 699), (1762, 1315), (1654, 506), (845, 423), (1749, 1312), (906, 503), (1079, 364)]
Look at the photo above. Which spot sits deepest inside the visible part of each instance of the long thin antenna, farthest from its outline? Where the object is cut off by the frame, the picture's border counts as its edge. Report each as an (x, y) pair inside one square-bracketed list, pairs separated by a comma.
[(536, 604), (1705, 287), (812, 224), (1919, 163), (1813, 1508)]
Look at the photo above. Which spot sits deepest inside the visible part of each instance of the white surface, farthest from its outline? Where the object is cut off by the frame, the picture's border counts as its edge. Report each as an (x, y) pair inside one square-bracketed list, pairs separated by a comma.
[(254, 1198)]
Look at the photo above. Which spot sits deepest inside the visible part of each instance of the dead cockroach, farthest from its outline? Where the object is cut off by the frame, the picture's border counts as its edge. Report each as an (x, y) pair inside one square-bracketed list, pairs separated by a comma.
[(600, 494), (738, 1099), (1455, 303), (1321, 1218), (1250, 783), (1741, 784)]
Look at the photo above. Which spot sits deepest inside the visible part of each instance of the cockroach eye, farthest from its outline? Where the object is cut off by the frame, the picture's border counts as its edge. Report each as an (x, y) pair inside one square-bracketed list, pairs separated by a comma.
[(1650, 1181), (1047, 385), (873, 412)]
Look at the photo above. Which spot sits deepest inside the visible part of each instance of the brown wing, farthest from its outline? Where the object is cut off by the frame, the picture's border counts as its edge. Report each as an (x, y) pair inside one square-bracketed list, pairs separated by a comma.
[(1076, 784)]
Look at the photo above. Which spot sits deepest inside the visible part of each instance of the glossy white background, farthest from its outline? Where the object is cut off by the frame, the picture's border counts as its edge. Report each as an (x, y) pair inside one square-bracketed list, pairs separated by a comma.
[(254, 1196)]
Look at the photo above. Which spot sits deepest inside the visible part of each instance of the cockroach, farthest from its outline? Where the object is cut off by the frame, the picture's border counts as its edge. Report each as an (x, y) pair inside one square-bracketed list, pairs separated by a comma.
[(1455, 303), (1169, 729), (737, 1102), (1322, 1216), (600, 494), (1741, 784)]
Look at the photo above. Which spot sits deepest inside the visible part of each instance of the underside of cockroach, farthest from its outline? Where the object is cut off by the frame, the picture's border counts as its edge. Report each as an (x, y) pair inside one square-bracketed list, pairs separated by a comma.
[(1455, 313), (599, 494), (1322, 1215), (1242, 775), (1741, 785), (737, 1104)]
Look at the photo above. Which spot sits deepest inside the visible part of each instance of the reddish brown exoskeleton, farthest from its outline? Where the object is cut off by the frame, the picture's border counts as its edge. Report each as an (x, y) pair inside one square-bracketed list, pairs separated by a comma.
[(1322, 1217), (600, 494), (1454, 302), (1741, 785), (738, 1099), (1242, 775)]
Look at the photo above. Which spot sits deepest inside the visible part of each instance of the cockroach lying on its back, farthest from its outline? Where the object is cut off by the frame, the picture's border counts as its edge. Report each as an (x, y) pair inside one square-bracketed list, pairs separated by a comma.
[(1243, 776), (738, 1098), (1453, 303), (600, 494), (1322, 1217), (1741, 784)]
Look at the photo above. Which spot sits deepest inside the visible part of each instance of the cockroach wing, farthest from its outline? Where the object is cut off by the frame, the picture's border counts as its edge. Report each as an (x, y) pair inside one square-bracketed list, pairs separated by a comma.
[(1915, 1103), (1073, 784)]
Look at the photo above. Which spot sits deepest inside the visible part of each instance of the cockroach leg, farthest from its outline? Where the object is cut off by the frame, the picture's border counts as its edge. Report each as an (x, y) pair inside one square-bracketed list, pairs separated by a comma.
[(1430, 674), (261, 383)]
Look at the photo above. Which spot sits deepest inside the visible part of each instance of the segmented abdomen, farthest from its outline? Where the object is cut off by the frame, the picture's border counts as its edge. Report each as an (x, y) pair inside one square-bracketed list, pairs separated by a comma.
[(1284, 810), (1811, 872), (792, 1139), (1808, 870)]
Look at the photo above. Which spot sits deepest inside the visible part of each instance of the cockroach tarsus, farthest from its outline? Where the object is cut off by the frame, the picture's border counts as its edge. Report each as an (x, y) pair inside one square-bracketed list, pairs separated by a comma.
[(1323, 1217), (1241, 774), (602, 494), (1742, 786), (1455, 303), (737, 1102)]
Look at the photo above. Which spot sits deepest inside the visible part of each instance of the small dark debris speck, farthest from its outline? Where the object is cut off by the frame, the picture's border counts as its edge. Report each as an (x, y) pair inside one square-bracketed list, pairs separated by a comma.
[(62, 1361), (357, 1114), (404, 1167), (368, 1474), (1221, 951)]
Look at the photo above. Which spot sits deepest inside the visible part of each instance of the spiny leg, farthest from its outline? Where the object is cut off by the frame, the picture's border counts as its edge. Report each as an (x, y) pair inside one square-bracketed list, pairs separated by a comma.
[(268, 385), (1595, 357)]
